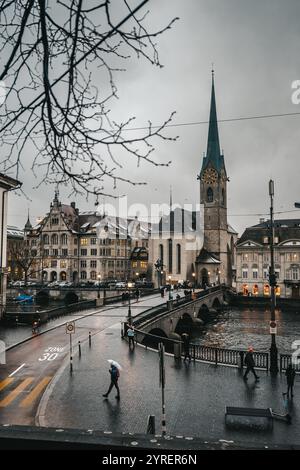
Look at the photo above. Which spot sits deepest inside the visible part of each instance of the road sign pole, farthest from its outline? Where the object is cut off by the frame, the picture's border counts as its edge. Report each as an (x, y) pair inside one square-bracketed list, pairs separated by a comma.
[(162, 384), (71, 357)]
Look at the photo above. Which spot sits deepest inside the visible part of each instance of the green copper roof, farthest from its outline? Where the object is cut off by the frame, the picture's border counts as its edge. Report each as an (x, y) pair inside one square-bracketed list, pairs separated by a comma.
[(213, 156)]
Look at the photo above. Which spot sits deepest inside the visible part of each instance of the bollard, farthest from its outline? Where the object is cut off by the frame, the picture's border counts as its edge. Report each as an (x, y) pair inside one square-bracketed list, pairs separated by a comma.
[(79, 349), (151, 424), (71, 364), (90, 339)]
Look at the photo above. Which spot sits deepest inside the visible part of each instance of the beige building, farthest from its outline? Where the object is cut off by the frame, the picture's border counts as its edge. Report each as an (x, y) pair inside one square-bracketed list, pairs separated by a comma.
[(80, 247), (253, 259)]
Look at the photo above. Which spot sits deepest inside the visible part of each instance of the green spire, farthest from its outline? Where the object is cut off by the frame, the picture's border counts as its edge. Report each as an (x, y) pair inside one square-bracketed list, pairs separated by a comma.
[(213, 156)]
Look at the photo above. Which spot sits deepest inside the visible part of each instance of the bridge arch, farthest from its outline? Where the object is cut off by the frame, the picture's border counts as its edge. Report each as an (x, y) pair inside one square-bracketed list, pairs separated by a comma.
[(216, 304), (203, 312), (152, 341), (184, 324)]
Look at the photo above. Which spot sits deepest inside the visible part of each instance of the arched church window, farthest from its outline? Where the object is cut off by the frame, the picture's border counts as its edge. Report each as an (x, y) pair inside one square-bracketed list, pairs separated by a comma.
[(178, 258), (210, 195)]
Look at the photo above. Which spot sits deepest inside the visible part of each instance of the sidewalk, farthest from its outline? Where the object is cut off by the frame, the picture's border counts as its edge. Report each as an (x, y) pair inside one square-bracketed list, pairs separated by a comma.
[(196, 395)]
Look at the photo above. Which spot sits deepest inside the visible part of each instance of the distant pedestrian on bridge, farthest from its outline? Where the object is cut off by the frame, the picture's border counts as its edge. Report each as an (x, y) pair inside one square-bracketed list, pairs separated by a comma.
[(130, 335), (186, 346), (290, 378), (249, 362)]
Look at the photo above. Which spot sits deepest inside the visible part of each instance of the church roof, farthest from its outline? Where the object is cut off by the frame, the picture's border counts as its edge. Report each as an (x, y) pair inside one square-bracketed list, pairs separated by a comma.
[(213, 157), (205, 257), (284, 230)]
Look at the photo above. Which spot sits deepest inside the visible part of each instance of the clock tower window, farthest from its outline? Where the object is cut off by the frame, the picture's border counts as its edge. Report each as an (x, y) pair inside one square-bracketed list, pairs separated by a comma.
[(210, 195)]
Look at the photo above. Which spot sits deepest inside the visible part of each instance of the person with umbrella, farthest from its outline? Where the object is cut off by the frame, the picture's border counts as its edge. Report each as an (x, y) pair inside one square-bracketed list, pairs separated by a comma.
[(114, 377)]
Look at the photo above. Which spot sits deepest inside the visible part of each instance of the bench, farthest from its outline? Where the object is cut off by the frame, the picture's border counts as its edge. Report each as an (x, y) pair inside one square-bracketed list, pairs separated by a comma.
[(255, 412)]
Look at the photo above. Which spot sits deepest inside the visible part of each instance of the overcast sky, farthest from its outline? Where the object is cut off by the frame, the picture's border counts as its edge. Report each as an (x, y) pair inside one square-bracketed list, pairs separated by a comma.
[(255, 48)]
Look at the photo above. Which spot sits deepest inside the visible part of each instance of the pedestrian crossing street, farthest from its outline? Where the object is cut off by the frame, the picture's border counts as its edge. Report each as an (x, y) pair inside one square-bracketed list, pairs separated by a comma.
[(21, 392)]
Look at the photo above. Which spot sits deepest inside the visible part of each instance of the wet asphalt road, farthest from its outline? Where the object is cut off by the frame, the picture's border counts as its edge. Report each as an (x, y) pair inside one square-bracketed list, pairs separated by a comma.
[(31, 366)]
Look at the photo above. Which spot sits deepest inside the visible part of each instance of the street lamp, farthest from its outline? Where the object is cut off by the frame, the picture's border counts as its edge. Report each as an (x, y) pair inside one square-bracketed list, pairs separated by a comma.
[(99, 280), (272, 281), (129, 285), (194, 279)]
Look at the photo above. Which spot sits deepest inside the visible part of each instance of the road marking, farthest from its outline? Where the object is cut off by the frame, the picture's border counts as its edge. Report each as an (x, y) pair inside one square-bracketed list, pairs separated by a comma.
[(5, 382), (35, 392), (13, 373), (12, 395)]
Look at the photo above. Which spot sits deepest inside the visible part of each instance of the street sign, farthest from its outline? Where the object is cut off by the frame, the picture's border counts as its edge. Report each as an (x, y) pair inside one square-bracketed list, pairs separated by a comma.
[(70, 327), (273, 328)]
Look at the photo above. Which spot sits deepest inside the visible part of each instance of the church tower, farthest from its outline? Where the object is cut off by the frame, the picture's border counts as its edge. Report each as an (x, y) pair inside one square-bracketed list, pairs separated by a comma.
[(215, 260), (213, 187)]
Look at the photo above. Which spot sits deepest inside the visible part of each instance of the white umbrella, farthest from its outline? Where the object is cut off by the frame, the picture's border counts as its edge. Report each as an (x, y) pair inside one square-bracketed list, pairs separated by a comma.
[(114, 363)]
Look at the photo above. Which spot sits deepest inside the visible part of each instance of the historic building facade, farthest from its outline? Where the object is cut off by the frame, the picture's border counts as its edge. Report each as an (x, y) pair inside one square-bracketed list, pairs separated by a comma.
[(253, 259), (80, 247), (216, 261)]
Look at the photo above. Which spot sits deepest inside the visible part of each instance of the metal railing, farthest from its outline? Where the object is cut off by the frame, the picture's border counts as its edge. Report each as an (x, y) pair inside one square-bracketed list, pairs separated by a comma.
[(209, 354), (285, 360)]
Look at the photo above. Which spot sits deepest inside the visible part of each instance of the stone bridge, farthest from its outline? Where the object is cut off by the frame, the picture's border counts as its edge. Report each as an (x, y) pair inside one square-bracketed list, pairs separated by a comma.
[(172, 319)]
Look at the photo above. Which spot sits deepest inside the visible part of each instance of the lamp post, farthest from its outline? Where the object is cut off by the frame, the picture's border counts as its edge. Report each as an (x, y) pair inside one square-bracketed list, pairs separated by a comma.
[(99, 281), (170, 286), (129, 285), (159, 269), (272, 281), (194, 279), (219, 276)]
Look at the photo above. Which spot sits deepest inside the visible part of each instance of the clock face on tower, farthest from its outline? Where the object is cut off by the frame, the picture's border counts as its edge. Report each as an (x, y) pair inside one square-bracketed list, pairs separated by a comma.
[(210, 176)]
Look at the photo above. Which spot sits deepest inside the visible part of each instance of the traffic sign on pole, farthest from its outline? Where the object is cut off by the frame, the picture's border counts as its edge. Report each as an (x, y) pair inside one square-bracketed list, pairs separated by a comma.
[(273, 328), (70, 327)]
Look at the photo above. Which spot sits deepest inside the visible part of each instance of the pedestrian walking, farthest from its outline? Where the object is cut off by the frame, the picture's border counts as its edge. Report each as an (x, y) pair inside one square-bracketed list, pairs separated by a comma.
[(137, 294), (249, 362), (186, 346), (114, 377), (130, 335), (290, 378), (162, 292)]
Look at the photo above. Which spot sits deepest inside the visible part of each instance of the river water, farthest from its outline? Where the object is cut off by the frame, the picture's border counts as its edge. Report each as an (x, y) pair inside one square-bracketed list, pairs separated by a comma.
[(238, 328)]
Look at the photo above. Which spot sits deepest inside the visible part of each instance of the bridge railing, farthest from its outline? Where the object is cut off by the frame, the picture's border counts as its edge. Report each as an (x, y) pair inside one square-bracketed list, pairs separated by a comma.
[(165, 307), (209, 354), (285, 360)]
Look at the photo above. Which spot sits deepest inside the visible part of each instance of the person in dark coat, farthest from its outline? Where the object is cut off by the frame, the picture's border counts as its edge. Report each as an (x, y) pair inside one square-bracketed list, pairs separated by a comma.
[(249, 361), (114, 377), (290, 378), (186, 346)]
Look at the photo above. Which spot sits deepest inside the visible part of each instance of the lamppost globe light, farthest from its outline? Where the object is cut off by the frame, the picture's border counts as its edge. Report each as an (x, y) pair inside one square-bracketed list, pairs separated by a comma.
[(129, 284)]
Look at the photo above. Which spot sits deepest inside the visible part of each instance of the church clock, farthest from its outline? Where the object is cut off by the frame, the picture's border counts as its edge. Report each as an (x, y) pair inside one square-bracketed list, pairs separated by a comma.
[(210, 176)]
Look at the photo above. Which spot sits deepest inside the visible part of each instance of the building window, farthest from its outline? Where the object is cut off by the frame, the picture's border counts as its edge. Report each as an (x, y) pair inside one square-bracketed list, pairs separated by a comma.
[(178, 258), (53, 263), (245, 289), (94, 252), (288, 257), (93, 275), (83, 275), (83, 263), (144, 264), (266, 257), (54, 221), (266, 240), (161, 253), (75, 252), (245, 257), (64, 239), (255, 274), (75, 241), (223, 197), (83, 252), (209, 195), (83, 241), (295, 274), (255, 289), (170, 255), (64, 251), (245, 274), (134, 264), (46, 252), (63, 264), (295, 257), (55, 252), (54, 239), (266, 289), (93, 263), (266, 274), (277, 291), (93, 241)]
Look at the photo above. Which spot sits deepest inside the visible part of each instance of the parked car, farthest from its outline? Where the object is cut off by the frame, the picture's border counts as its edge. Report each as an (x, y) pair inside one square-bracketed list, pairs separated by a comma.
[(121, 285)]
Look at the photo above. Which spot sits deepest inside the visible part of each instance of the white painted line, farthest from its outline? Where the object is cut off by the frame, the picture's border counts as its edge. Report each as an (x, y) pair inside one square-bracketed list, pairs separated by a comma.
[(13, 373)]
